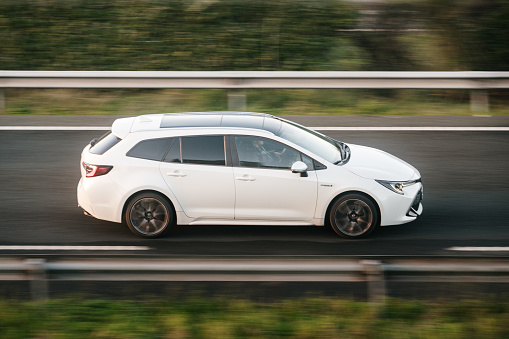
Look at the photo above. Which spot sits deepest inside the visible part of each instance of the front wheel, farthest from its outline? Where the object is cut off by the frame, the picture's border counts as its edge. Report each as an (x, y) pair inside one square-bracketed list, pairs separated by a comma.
[(353, 216), (149, 215)]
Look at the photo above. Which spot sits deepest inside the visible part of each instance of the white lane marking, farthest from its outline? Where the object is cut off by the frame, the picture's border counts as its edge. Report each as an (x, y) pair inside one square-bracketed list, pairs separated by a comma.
[(72, 248), (379, 129), (54, 128), (478, 249), (420, 129)]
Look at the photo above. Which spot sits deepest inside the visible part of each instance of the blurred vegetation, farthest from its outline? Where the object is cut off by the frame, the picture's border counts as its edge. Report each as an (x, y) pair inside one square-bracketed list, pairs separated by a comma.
[(171, 35), (272, 101), (219, 318), (474, 34), (262, 35), (284, 35)]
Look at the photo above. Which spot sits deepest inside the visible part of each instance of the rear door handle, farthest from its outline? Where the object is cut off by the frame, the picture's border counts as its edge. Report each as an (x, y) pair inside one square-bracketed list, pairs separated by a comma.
[(176, 174), (245, 178)]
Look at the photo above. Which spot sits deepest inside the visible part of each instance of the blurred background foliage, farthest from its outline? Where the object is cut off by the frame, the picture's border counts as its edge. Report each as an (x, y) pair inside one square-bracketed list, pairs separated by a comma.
[(171, 35), (284, 35), (261, 35)]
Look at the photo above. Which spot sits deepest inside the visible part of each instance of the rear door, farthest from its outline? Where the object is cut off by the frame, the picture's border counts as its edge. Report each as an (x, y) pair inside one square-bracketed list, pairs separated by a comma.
[(198, 172)]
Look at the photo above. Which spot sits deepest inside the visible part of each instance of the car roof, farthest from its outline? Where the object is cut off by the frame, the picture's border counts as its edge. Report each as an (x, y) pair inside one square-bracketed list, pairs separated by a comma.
[(247, 120)]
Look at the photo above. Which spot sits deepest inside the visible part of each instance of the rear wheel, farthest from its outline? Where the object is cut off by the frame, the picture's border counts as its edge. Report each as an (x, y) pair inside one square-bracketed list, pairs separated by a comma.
[(149, 215), (353, 216)]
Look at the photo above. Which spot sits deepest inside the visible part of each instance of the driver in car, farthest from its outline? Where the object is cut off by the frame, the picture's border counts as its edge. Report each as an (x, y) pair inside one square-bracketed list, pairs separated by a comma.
[(264, 156)]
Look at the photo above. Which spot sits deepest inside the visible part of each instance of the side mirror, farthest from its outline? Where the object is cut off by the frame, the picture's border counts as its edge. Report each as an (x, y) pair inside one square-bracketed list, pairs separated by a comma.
[(300, 167)]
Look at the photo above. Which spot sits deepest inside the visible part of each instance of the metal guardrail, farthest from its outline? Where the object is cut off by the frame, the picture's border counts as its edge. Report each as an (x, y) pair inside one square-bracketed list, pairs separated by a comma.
[(236, 82), (41, 272), (253, 79)]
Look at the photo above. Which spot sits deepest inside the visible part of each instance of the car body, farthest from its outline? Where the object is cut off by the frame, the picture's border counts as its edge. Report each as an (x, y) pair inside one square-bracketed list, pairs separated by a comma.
[(228, 168)]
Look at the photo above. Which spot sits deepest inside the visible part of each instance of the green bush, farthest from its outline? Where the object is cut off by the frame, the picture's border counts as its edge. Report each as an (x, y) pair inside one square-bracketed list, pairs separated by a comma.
[(317, 317)]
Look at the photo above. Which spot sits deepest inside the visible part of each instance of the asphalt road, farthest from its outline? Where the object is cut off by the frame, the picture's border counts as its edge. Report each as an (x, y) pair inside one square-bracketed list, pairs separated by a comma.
[(465, 176)]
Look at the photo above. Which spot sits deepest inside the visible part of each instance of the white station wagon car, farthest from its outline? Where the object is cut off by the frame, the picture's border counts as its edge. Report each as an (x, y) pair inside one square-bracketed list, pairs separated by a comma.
[(222, 168)]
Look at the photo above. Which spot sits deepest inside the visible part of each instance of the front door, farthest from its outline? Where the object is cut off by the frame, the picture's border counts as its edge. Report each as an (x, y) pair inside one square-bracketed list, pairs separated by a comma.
[(266, 189)]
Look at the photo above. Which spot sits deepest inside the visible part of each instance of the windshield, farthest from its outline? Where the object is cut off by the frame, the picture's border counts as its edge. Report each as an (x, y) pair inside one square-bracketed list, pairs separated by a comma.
[(319, 144)]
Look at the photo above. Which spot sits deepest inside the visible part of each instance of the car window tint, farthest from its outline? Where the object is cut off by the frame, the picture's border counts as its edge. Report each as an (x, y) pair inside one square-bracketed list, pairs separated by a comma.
[(152, 149), (260, 152), (308, 161), (205, 150), (173, 154), (319, 165), (104, 143)]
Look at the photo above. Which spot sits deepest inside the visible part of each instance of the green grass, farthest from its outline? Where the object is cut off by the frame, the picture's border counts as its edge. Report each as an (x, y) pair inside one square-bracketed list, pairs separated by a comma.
[(220, 318), (276, 101)]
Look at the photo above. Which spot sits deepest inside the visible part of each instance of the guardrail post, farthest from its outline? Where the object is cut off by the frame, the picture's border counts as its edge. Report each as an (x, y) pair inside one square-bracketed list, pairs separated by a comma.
[(236, 100), (479, 100), (38, 280), (2, 101), (374, 271)]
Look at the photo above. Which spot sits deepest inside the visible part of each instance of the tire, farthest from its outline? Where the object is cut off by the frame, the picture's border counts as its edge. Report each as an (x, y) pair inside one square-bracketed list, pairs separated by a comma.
[(353, 216), (149, 215)]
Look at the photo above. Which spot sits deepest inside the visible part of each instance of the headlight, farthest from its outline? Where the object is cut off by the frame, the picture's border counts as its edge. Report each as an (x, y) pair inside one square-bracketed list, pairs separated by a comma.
[(397, 186)]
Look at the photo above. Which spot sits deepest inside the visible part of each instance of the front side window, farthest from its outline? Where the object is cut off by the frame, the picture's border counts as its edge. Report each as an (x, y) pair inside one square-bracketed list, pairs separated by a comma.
[(308, 161), (204, 150), (261, 152)]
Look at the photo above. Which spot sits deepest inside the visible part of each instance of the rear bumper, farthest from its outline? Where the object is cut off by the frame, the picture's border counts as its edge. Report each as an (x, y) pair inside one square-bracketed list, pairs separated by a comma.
[(83, 201), (99, 190)]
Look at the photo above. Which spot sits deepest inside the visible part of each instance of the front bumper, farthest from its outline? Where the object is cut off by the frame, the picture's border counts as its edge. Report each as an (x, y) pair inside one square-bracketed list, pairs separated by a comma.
[(399, 208), (416, 208)]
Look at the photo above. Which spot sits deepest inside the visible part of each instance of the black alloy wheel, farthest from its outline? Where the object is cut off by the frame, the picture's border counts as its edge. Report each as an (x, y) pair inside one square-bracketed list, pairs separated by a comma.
[(353, 216), (149, 215)]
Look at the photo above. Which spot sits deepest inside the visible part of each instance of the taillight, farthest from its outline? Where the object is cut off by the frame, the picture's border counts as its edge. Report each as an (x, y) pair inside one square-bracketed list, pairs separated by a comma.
[(95, 170)]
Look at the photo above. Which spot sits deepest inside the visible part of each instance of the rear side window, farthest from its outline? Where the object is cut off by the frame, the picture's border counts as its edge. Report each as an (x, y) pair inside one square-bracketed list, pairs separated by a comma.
[(153, 149), (104, 143), (173, 154), (204, 150)]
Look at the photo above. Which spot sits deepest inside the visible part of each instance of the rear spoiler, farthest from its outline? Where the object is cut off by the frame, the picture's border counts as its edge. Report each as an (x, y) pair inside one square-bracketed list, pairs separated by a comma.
[(123, 126)]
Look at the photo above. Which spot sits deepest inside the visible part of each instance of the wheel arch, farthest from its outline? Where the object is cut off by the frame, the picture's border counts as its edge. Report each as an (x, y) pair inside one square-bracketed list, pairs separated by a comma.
[(364, 194), (131, 197)]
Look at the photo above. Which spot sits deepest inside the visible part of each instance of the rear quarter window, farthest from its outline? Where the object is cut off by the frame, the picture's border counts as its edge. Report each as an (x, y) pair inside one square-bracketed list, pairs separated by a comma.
[(104, 143), (153, 149)]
